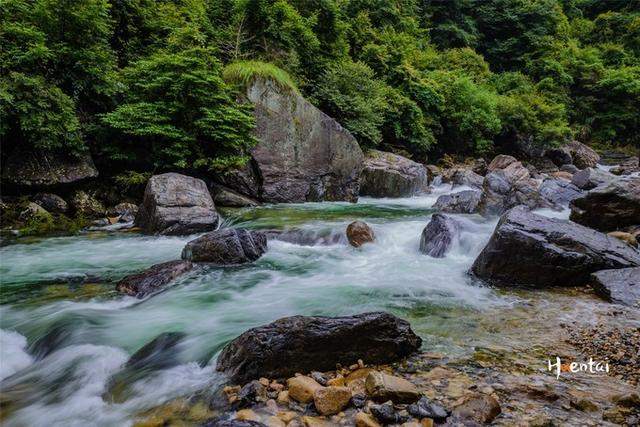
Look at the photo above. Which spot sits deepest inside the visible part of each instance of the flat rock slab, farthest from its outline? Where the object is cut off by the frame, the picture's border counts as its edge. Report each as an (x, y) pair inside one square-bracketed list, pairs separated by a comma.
[(229, 246), (621, 286), (306, 343), (530, 249), (153, 279)]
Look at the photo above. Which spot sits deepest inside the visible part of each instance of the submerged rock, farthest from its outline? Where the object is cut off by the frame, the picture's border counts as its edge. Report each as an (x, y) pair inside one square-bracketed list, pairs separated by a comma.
[(609, 207), (391, 175), (531, 249), (153, 279), (157, 354), (42, 168), (621, 286), (439, 235), (229, 246), (176, 204), (302, 154), (305, 343), (359, 233), (463, 202)]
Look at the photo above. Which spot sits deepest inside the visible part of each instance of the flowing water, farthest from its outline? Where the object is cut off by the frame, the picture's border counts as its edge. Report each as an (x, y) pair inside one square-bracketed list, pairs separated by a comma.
[(66, 333)]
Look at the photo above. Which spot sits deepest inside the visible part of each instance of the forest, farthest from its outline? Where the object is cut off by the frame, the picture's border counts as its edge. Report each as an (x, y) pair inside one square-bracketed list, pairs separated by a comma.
[(150, 85)]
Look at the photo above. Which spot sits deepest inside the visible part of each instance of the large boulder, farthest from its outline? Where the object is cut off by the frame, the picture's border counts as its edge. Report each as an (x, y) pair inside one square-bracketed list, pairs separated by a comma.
[(582, 155), (302, 344), (46, 168), (621, 286), (391, 175), (463, 202), (176, 204), (439, 235), (530, 249), (558, 192), (229, 246), (609, 207), (590, 178), (153, 279), (302, 154)]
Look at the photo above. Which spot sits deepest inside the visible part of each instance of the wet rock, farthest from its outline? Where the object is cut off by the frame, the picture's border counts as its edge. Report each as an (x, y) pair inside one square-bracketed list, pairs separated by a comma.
[(391, 175), (42, 168), (86, 205), (424, 408), (33, 211), (626, 167), (362, 419), (433, 171), (558, 192), (439, 235), (383, 387), (386, 414), (302, 388), (628, 238), (466, 177), (359, 233), (463, 202), (225, 197), (620, 286), (51, 202), (609, 207), (559, 156), (160, 353), (590, 178), (176, 204), (124, 212), (527, 248), (250, 394), (331, 400), (302, 154), (478, 407), (583, 156), (228, 246), (358, 400), (153, 279), (307, 343)]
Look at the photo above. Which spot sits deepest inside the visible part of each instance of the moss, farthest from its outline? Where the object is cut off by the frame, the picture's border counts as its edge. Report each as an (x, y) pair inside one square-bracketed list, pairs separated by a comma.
[(243, 73), (52, 224)]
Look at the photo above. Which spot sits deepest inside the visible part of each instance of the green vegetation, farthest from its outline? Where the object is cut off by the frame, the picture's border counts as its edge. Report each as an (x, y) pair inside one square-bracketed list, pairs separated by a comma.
[(149, 85)]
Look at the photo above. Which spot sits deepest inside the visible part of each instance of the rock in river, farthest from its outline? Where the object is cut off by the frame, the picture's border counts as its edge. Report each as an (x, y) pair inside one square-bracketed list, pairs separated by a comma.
[(439, 235), (176, 204), (530, 249), (359, 233), (621, 286), (558, 192), (306, 343), (153, 279), (609, 207), (464, 202), (228, 246), (590, 178), (391, 175)]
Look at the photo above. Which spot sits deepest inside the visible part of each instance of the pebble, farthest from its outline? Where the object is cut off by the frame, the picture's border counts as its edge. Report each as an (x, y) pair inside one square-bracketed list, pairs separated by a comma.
[(363, 419), (302, 388), (331, 400), (384, 387)]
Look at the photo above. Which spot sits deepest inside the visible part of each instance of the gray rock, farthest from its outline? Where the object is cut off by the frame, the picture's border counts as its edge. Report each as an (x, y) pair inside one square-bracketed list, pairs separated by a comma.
[(583, 156), (33, 211), (627, 166), (302, 154), (590, 178), (475, 409), (153, 279), (559, 192), (425, 408), (620, 286), (229, 246), (229, 198), (466, 177), (569, 168), (45, 168), (507, 188), (439, 235), (391, 175), (531, 249), (86, 205), (244, 180), (463, 202), (176, 204), (302, 344), (51, 202), (559, 156), (609, 207), (500, 161)]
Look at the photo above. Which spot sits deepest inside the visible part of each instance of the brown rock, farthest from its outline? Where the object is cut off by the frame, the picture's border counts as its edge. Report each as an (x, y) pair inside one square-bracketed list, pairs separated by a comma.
[(477, 407), (583, 156), (383, 387), (359, 233), (625, 237), (331, 400), (366, 420), (562, 175), (338, 381), (275, 422), (426, 422), (500, 161), (247, 415), (316, 422), (283, 397), (302, 388)]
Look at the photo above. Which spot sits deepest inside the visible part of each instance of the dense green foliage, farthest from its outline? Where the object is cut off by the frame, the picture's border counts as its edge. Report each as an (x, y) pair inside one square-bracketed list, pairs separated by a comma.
[(147, 84)]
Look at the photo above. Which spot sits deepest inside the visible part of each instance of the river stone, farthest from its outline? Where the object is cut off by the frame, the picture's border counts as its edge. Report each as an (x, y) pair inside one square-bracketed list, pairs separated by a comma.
[(302, 154), (228, 246), (303, 388), (159, 353), (306, 343), (583, 156), (558, 192), (391, 175), (41, 168), (51, 202), (477, 407), (153, 279), (609, 207), (559, 156), (620, 286), (176, 204), (425, 408), (463, 202), (362, 419), (383, 387), (439, 235), (331, 400), (530, 249), (359, 233), (590, 178)]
